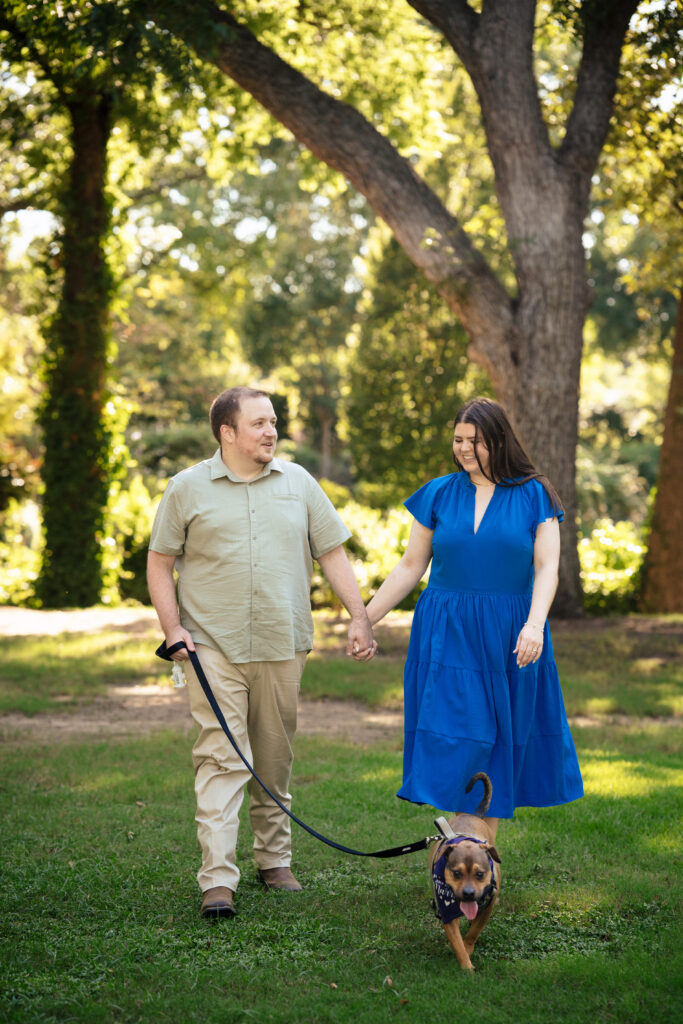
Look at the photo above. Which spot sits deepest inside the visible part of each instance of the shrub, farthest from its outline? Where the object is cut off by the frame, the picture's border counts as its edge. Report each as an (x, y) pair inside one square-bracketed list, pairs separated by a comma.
[(378, 540), (611, 559), (128, 526)]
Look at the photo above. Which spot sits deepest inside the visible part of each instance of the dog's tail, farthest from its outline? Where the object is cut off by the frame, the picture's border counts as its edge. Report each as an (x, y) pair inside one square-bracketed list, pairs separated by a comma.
[(488, 791)]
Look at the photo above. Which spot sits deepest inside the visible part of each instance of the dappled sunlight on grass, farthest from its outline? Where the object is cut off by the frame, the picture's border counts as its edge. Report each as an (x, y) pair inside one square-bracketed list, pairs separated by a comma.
[(601, 705), (102, 782), (666, 839), (633, 664), (37, 671), (383, 775), (607, 775)]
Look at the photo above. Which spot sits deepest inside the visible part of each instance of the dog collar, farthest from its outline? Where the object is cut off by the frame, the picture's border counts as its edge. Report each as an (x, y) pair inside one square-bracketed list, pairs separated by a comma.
[(446, 906)]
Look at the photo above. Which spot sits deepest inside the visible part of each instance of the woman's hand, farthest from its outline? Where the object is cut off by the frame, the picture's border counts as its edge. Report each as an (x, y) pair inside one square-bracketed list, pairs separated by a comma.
[(529, 644)]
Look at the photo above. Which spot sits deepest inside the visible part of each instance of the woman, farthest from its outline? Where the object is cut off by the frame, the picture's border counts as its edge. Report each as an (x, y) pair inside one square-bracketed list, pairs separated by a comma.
[(481, 686)]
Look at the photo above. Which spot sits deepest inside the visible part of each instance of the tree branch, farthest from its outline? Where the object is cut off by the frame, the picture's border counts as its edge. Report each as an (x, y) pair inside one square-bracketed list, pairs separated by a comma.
[(604, 23), (161, 185), (341, 137), (455, 19)]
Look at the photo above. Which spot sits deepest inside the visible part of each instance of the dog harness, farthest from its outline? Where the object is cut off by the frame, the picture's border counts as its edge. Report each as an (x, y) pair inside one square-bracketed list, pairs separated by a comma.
[(445, 903)]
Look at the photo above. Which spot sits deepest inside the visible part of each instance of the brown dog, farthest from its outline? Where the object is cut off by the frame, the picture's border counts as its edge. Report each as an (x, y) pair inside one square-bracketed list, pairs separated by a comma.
[(465, 874)]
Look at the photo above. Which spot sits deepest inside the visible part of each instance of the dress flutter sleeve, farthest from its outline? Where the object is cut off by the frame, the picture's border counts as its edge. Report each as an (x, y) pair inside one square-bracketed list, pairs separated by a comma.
[(423, 504), (542, 507)]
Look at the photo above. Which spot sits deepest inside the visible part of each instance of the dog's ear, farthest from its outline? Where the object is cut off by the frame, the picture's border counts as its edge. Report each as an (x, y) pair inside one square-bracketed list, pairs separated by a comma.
[(493, 853)]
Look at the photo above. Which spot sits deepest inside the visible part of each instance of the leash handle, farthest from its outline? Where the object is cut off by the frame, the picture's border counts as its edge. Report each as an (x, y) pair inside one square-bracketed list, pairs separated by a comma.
[(396, 851)]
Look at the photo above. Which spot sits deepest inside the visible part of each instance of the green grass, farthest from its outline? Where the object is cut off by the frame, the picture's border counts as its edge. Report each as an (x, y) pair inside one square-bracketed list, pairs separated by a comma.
[(48, 673), (98, 857), (100, 903)]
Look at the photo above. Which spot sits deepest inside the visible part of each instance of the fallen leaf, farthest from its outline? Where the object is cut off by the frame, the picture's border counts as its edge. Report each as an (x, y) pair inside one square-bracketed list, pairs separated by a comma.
[(388, 981), (333, 984)]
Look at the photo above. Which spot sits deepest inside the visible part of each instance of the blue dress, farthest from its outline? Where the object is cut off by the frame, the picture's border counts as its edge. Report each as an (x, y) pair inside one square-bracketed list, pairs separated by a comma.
[(468, 707)]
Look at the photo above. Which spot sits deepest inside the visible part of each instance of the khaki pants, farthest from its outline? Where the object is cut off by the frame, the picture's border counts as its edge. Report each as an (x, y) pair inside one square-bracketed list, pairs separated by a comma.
[(259, 702)]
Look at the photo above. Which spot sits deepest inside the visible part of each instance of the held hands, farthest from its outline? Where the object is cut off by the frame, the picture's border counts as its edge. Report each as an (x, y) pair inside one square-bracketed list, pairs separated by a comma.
[(529, 644), (360, 644)]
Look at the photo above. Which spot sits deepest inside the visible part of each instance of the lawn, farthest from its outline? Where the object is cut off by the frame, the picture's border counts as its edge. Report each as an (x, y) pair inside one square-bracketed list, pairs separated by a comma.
[(98, 857)]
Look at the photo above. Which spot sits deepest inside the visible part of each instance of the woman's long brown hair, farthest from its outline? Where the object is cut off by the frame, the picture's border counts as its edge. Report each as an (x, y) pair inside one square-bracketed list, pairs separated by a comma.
[(509, 464)]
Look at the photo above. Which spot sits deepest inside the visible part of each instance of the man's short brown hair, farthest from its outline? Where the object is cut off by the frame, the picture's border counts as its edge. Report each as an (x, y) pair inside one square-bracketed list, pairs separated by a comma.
[(226, 406)]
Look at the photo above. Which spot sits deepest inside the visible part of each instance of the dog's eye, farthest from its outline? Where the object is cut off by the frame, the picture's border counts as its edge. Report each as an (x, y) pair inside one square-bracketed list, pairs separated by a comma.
[(480, 875)]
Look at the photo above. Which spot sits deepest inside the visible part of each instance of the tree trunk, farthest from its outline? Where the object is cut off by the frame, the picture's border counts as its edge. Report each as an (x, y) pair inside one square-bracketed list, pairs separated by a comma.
[(541, 397), (663, 570), (76, 462), (531, 342)]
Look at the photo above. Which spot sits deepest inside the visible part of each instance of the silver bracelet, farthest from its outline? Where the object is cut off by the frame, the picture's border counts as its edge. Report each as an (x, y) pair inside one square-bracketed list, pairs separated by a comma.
[(536, 625)]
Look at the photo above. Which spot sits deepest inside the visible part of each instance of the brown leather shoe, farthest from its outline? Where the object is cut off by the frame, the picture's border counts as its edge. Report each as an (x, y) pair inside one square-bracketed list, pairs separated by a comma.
[(279, 878), (217, 902)]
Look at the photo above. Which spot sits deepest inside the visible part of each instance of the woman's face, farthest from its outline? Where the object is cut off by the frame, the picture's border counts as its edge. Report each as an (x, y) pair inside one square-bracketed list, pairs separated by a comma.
[(467, 445)]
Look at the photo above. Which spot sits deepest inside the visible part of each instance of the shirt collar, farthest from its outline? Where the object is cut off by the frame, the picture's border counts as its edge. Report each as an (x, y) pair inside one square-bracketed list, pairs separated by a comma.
[(219, 469)]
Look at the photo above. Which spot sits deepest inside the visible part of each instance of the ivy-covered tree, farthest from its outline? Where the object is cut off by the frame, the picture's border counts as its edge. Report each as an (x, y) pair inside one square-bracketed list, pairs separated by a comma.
[(90, 65)]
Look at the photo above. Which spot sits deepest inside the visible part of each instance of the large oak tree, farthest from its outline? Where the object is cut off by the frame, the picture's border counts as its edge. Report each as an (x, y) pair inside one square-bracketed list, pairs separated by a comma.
[(528, 337)]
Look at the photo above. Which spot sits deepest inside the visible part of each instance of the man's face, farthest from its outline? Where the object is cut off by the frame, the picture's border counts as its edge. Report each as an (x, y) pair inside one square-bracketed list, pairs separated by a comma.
[(254, 437)]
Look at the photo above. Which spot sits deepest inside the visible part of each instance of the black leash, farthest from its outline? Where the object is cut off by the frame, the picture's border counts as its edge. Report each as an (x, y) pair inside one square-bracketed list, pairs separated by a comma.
[(396, 851)]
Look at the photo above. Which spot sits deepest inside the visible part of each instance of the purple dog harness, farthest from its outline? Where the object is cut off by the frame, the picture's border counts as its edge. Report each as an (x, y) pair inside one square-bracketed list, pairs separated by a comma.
[(445, 903)]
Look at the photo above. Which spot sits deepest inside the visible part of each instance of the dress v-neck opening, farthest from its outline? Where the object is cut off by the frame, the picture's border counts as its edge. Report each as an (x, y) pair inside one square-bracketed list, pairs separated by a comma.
[(476, 526)]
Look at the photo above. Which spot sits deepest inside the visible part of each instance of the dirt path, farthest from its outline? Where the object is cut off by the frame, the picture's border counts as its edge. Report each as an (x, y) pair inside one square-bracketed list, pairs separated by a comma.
[(137, 710)]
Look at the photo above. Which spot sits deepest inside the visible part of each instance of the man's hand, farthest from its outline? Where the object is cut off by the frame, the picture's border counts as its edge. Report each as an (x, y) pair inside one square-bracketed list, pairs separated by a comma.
[(360, 644), (175, 636)]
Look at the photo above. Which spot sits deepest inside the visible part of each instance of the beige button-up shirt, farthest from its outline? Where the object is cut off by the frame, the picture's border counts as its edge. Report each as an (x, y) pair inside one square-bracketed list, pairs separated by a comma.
[(244, 555)]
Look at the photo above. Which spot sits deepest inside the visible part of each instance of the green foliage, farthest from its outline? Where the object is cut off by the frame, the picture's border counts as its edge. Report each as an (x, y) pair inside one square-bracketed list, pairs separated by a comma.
[(408, 375), (94, 65), (378, 540), (641, 166), (610, 560), (19, 445), (610, 555), (228, 239), (128, 527), (20, 553), (623, 396)]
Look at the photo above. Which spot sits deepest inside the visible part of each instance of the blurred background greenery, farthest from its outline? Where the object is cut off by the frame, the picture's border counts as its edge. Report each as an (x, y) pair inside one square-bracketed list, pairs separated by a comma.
[(236, 257)]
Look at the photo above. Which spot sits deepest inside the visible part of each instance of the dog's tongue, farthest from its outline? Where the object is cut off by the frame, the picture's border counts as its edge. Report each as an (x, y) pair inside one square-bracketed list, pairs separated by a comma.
[(469, 909)]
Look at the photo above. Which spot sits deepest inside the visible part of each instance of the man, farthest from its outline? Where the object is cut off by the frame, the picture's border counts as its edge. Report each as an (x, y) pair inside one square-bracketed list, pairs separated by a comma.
[(241, 530)]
